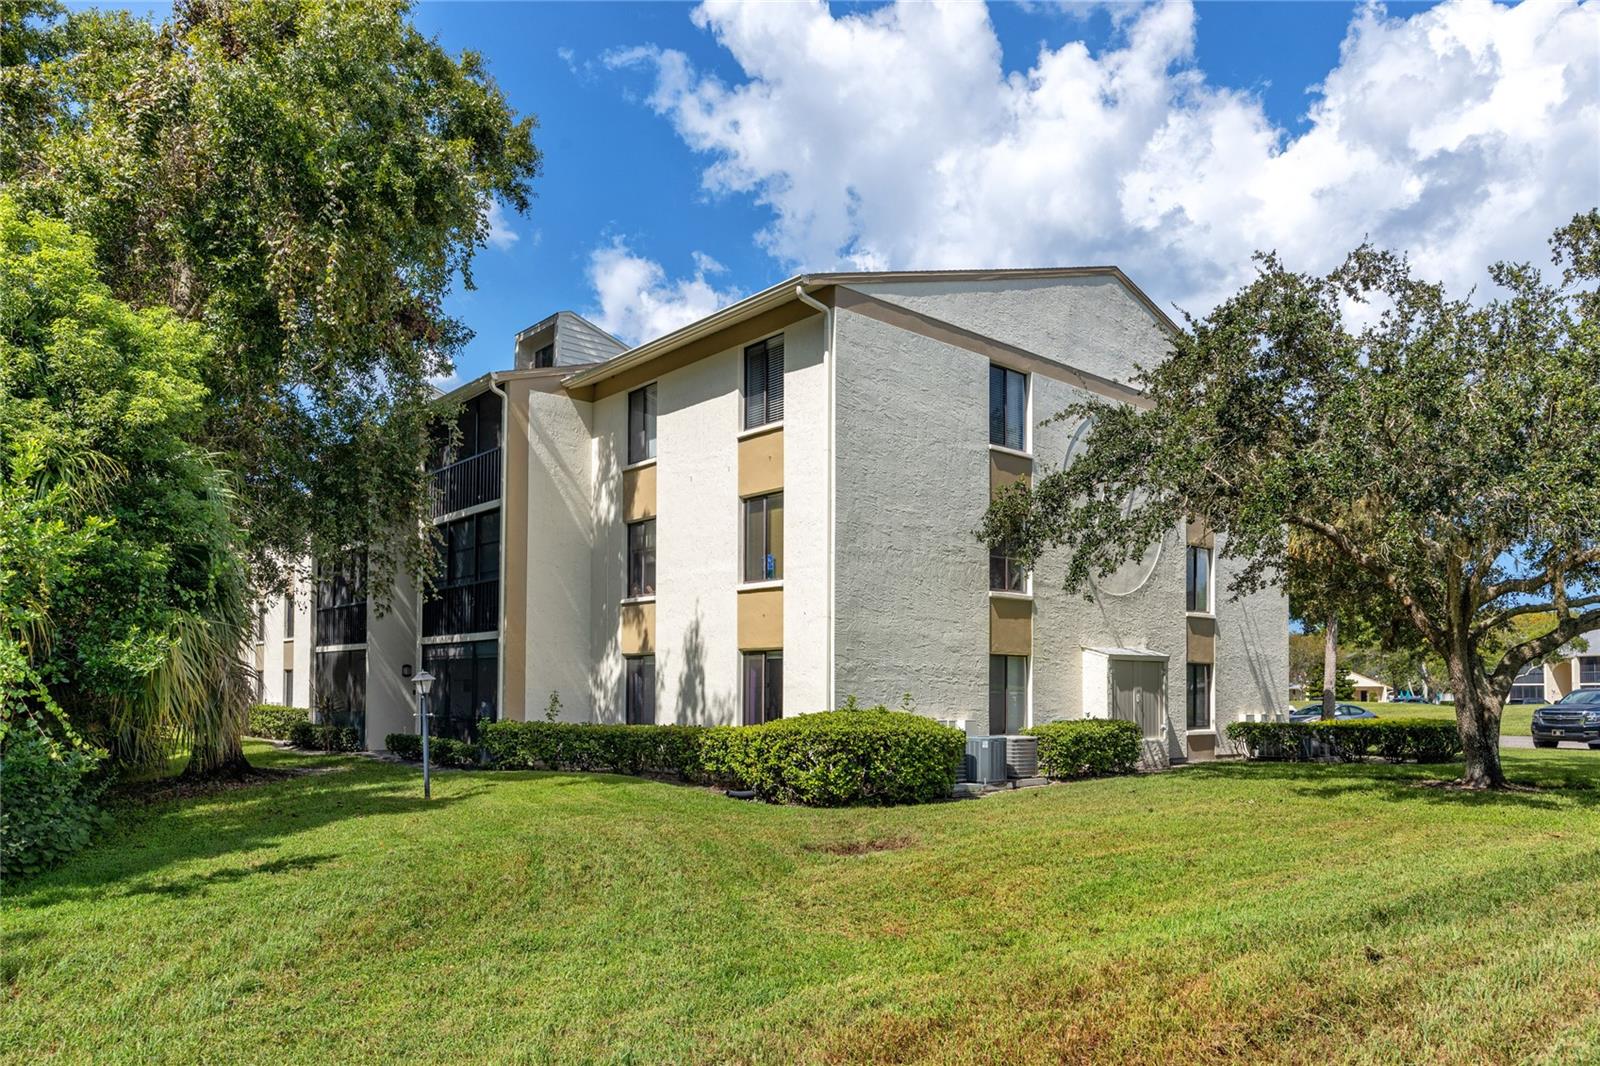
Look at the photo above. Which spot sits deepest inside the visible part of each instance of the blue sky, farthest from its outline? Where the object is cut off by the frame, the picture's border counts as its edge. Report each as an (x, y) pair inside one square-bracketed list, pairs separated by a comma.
[(695, 154)]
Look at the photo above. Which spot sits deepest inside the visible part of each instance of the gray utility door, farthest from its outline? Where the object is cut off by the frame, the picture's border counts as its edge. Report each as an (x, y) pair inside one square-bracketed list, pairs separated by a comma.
[(1138, 693)]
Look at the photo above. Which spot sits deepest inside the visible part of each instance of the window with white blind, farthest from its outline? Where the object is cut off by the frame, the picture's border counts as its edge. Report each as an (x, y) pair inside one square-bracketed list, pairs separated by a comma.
[(763, 382), (763, 538), (642, 424)]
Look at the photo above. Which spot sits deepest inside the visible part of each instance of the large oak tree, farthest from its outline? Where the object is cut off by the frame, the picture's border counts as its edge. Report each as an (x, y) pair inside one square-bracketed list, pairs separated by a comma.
[(1443, 452)]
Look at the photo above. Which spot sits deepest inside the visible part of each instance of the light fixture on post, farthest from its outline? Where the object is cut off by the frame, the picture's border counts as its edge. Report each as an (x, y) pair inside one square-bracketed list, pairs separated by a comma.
[(423, 682)]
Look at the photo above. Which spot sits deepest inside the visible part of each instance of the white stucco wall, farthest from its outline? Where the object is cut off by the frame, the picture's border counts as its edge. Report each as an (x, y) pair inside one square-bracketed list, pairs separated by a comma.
[(279, 653), (1251, 675), (392, 643), (805, 518)]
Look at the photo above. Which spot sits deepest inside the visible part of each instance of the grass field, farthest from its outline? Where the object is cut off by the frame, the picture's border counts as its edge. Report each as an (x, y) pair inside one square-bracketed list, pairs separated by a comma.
[(1515, 721), (1221, 912)]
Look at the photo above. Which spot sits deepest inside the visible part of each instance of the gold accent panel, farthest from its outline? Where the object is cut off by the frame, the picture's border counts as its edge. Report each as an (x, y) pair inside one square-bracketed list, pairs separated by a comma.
[(761, 463), (1202, 747), (514, 538), (1006, 469), (639, 493), (1202, 640), (760, 619), (1198, 535), (1010, 626), (638, 629)]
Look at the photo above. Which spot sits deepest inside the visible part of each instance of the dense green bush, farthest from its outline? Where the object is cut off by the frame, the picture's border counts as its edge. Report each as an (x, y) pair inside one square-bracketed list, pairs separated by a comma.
[(49, 796), (1089, 747), (623, 749), (839, 758), (1395, 739), (274, 721), (407, 746), (442, 751), (313, 737)]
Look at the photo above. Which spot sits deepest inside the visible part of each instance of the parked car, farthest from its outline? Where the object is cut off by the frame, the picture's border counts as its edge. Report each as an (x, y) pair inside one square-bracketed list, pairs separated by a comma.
[(1575, 716), (1342, 712)]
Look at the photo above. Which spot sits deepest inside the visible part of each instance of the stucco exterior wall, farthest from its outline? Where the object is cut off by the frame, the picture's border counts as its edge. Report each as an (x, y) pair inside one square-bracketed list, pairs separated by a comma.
[(1251, 675), (805, 518), (276, 652), (392, 643)]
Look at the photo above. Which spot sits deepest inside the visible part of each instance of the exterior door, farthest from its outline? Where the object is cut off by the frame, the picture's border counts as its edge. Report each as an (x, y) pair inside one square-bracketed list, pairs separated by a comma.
[(1138, 688)]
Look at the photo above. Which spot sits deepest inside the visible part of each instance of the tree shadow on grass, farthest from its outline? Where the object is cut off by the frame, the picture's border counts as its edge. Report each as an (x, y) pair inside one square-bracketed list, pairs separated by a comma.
[(1553, 784), (144, 839)]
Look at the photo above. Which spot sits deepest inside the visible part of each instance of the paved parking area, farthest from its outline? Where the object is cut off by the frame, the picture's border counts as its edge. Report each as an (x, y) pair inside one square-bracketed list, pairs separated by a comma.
[(1527, 742)]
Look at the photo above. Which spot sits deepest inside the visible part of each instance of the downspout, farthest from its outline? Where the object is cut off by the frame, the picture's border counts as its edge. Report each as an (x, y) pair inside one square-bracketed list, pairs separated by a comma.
[(829, 359), (505, 466)]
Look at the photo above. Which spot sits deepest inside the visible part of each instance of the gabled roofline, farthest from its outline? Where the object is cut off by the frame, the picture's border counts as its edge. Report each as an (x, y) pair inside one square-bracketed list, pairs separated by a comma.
[(785, 291), (550, 320)]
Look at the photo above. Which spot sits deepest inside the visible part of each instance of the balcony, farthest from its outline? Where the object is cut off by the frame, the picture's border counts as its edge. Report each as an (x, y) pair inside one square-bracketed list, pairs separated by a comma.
[(473, 607), (466, 483), (345, 624)]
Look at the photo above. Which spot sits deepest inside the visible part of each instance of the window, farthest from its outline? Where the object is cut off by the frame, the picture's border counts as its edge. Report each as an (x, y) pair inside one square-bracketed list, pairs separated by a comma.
[(1008, 408), (763, 382), (288, 617), (261, 626), (763, 686), (478, 427), (1197, 580), (288, 688), (544, 357), (1528, 687), (639, 689), (466, 597), (1199, 697), (1008, 694), (642, 424), (342, 600), (1589, 671), (642, 558), (1005, 575), (763, 538), (466, 678)]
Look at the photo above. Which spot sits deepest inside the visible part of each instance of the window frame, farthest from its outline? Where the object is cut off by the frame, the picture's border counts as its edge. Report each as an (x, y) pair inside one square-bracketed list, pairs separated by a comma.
[(1004, 374), (1588, 662), (1192, 552), (768, 418), (288, 687), (647, 399), (643, 590), (1025, 692), (288, 617), (768, 685), (766, 501), (1209, 673), (647, 664), (1022, 577)]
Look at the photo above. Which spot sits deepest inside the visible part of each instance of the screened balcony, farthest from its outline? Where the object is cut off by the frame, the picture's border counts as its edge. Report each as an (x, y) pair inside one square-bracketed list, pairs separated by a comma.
[(467, 483), (469, 607)]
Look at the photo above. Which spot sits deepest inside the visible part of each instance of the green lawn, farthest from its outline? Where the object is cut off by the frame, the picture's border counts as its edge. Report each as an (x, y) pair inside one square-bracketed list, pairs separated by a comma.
[(1230, 911), (1515, 721)]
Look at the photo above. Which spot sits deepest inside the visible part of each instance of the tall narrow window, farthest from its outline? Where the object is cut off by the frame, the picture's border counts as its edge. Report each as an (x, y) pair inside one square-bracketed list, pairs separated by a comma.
[(639, 689), (261, 625), (1008, 694), (763, 382), (288, 688), (763, 686), (1005, 575), (288, 617), (1589, 671), (763, 538), (642, 558), (642, 424), (1199, 696), (544, 357), (1008, 408), (1198, 581)]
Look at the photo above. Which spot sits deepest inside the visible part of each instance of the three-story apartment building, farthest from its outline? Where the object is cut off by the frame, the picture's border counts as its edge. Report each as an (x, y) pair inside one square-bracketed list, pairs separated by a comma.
[(772, 509)]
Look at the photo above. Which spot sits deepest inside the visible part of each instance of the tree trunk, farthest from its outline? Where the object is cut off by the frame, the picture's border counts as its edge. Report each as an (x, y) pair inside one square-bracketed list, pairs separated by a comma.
[(1478, 718), (222, 760), (1330, 666)]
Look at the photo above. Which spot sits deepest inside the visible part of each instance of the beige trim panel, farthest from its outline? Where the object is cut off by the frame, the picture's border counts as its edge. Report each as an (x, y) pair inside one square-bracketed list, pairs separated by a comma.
[(1202, 747), (639, 493), (761, 463), (1006, 469), (1010, 626), (761, 619), (1198, 535), (638, 629), (1202, 640), (514, 536), (958, 337)]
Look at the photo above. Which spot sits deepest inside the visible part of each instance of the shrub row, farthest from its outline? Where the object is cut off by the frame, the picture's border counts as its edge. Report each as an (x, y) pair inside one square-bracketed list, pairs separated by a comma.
[(49, 801), (1395, 739), (274, 721), (831, 759), (442, 751), (313, 737), (1089, 747)]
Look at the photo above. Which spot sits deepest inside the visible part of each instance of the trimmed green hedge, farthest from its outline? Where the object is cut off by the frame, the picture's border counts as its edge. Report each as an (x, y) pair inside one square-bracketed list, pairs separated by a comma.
[(1395, 739), (840, 758), (49, 801), (1089, 747), (672, 750), (314, 737), (274, 721), (442, 751)]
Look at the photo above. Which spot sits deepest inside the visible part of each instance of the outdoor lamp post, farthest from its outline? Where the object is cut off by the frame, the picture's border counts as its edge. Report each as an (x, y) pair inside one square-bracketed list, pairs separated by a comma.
[(422, 683)]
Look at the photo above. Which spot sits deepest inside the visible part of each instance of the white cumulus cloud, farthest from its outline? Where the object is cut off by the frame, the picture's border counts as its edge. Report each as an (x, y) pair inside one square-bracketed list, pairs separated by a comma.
[(637, 302), (501, 235), (896, 138)]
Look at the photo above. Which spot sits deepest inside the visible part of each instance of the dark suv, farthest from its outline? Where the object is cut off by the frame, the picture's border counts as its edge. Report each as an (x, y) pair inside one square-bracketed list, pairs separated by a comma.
[(1575, 716)]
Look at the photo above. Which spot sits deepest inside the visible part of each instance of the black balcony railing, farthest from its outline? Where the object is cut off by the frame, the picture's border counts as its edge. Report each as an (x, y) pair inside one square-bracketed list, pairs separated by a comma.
[(473, 480), (346, 624), (466, 608)]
